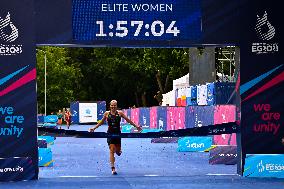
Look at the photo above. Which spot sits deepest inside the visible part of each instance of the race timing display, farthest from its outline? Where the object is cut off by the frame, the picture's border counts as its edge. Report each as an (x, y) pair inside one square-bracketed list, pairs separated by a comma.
[(170, 20)]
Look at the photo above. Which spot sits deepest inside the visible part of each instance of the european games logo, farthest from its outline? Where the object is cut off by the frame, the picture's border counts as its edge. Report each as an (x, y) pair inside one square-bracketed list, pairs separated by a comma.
[(264, 35), (269, 167), (265, 32), (88, 111), (8, 34), (260, 167)]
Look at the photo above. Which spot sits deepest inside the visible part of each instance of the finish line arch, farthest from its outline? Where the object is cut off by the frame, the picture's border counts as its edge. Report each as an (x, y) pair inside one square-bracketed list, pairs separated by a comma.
[(26, 24)]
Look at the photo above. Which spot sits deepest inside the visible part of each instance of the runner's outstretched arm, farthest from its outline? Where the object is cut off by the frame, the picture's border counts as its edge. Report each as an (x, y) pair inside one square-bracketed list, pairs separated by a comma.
[(92, 129)]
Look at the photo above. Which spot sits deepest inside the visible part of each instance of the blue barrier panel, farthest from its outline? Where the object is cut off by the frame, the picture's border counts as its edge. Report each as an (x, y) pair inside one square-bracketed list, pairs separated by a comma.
[(162, 118), (144, 117), (101, 108), (223, 155), (49, 139), (210, 94), (264, 165), (197, 116), (188, 101), (16, 169), (194, 95), (50, 119), (194, 144), (45, 157), (222, 92), (204, 115), (190, 116), (40, 119), (74, 109)]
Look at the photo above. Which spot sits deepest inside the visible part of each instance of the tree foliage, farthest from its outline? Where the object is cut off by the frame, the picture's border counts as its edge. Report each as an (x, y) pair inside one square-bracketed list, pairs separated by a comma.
[(62, 77), (131, 75)]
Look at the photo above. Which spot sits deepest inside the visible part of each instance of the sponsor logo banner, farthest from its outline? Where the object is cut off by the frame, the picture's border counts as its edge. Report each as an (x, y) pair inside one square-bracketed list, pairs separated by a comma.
[(264, 165), (16, 168), (194, 144)]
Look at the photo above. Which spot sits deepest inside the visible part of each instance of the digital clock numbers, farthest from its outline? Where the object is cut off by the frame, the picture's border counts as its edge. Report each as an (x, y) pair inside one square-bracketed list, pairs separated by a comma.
[(121, 29), (136, 23)]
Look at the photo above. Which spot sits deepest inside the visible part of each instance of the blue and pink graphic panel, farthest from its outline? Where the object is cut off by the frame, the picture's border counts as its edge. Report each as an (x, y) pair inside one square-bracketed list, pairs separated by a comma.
[(224, 114), (153, 118), (144, 117), (179, 118), (171, 116), (225, 139), (162, 118), (135, 115)]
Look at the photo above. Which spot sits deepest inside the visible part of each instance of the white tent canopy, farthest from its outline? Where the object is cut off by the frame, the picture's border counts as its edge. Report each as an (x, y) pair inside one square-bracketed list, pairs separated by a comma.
[(182, 82)]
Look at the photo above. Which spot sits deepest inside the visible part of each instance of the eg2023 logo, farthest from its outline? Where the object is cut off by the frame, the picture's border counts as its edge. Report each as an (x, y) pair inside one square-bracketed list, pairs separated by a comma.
[(9, 33), (265, 32)]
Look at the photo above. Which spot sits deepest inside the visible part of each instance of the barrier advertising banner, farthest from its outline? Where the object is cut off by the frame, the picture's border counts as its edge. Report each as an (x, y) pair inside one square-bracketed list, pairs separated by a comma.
[(264, 165)]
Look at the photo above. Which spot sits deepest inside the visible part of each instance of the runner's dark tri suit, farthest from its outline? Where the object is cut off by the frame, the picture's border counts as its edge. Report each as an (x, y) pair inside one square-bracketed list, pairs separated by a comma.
[(113, 127)]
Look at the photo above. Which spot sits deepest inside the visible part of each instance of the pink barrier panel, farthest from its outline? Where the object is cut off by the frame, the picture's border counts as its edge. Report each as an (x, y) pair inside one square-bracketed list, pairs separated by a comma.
[(224, 114), (225, 139), (179, 118), (170, 118), (125, 113), (153, 118), (135, 115)]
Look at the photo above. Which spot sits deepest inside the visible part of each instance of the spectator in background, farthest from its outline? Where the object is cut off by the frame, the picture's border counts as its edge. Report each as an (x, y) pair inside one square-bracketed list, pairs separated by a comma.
[(60, 118), (68, 118)]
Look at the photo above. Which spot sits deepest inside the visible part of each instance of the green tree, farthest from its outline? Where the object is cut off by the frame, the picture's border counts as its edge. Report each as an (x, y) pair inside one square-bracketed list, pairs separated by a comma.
[(131, 75), (62, 78)]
